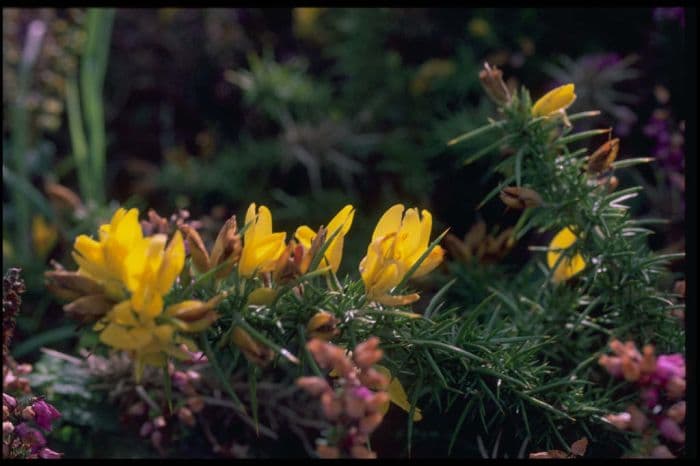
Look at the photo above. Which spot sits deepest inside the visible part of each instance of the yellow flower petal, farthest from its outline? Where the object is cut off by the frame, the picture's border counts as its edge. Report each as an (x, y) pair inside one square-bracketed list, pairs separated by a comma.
[(397, 394), (305, 236), (173, 262), (568, 266), (390, 222), (554, 101)]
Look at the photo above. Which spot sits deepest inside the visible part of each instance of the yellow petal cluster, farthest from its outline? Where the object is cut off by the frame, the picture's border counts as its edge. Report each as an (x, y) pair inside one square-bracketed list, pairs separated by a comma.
[(334, 252), (398, 241), (138, 272), (554, 101), (261, 247), (568, 266)]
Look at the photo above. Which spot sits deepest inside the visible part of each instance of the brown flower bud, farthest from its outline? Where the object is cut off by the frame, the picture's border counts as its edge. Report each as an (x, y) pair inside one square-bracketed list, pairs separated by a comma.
[(373, 379), (285, 269), (354, 406), (89, 308), (369, 423), (603, 157), (253, 351), (313, 385), (648, 364), (323, 326), (677, 412), (675, 388), (71, 285), (456, 248), (227, 248), (492, 81), (638, 420), (28, 413), (517, 197), (316, 244), (332, 407), (630, 369), (198, 252), (377, 401)]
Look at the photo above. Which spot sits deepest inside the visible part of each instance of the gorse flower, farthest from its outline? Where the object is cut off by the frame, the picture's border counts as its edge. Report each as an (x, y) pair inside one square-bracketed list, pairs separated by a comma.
[(555, 101), (566, 267), (397, 243), (261, 247), (136, 272), (334, 252)]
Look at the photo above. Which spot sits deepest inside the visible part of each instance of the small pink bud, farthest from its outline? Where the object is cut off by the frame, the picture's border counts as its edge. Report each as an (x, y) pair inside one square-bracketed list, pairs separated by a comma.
[(677, 412), (159, 422), (7, 428), (28, 413), (672, 431), (313, 385), (620, 420)]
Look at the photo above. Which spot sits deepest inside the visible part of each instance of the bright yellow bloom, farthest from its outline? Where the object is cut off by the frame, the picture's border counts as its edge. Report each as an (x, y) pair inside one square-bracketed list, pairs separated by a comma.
[(397, 243), (105, 260), (554, 101), (261, 247), (128, 265), (334, 253), (151, 340), (397, 395), (568, 266), (44, 235)]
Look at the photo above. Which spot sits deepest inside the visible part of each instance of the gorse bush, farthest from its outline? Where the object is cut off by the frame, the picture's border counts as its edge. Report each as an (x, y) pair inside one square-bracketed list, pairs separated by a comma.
[(521, 359)]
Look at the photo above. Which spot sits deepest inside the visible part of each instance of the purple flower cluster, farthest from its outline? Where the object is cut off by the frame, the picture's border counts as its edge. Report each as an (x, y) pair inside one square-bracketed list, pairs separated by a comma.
[(19, 438), (669, 141), (661, 384)]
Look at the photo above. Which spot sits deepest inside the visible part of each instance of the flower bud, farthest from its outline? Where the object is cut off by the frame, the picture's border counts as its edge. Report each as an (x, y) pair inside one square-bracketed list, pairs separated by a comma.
[(492, 82), (672, 431), (28, 413), (7, 428), (331, 406), (253, 351), (313, 385), (322, 325), (621, 420), (9, 400), (146, 429), (370, 423), (159, 422), (89, 308), (675, 388), (630, 369), (49, 454), (227, 248), (198, 252), (354, 406), (518, 197), (662, 452), (638, 420), (45, 414), (677, 412), (71, 285), (377, 401), (555, 101), (603, 157)]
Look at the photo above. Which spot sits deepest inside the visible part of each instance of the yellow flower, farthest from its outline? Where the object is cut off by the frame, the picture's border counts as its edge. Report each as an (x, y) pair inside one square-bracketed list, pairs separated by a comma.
[(429, 72), (568, 266), (151, 339), (334, 252), (554, 101), (397, 395), (105, 260), (44, 236), (397, 243), (261, 247)]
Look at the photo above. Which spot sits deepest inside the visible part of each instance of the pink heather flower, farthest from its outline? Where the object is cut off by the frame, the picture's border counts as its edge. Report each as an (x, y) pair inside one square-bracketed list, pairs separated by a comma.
[(672, 431), (668, 366), (49, 454), (9, 400), (621, 420), (650, 395), (45, 414), (31, 436)]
